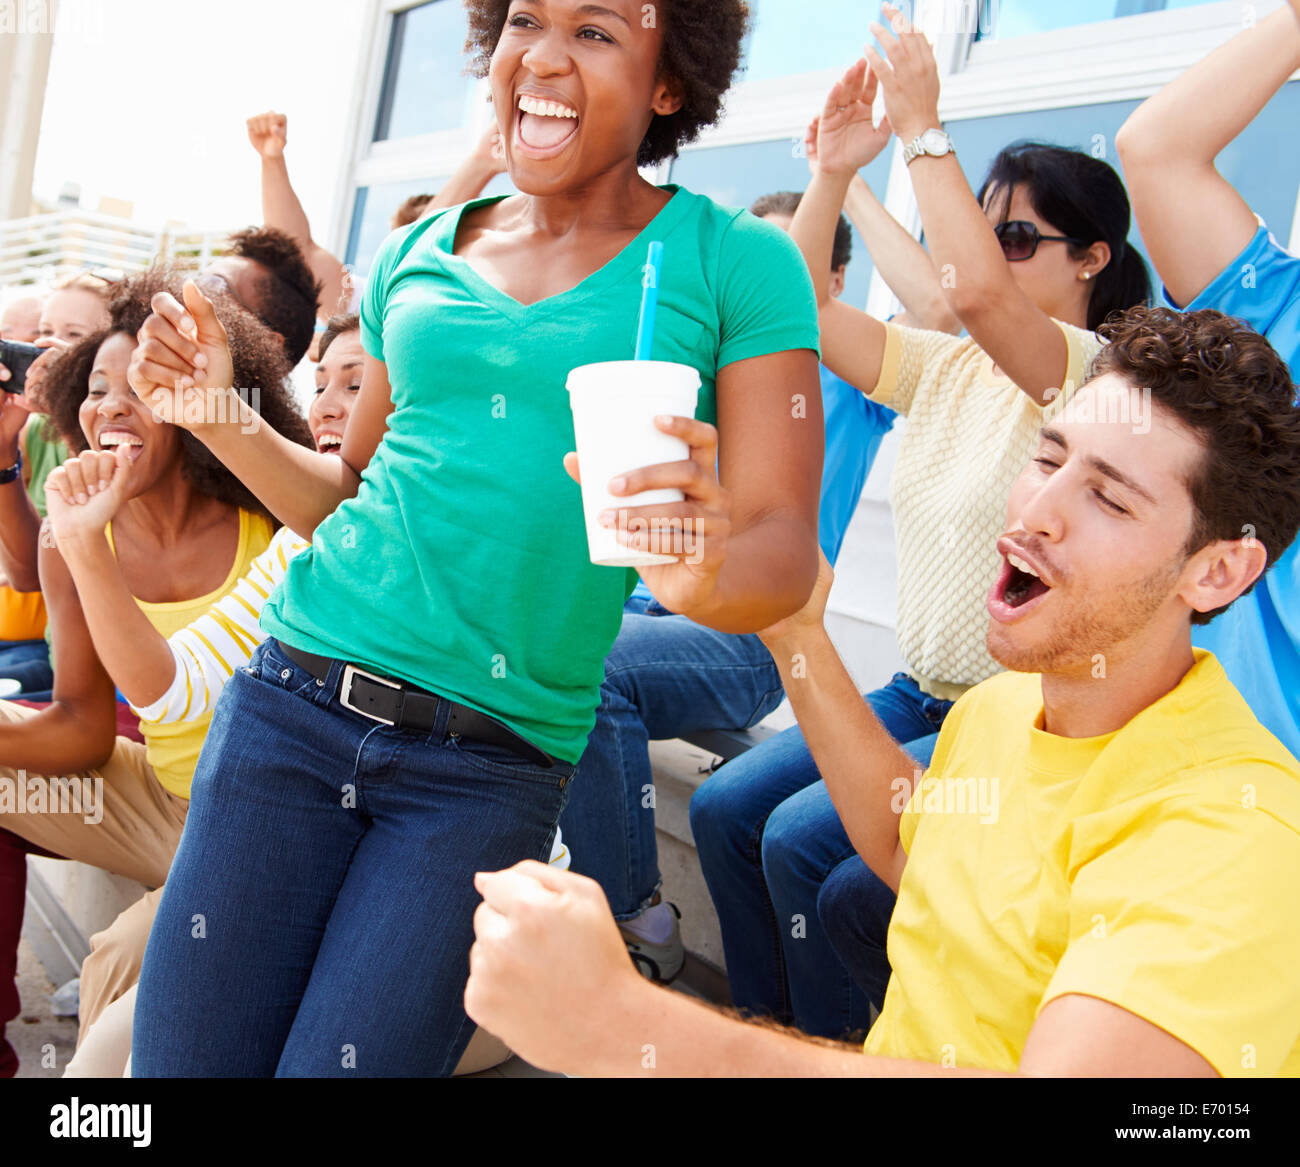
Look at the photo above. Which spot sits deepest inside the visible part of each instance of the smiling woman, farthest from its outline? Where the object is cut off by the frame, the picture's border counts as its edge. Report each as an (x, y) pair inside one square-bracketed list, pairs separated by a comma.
[(436, 657)]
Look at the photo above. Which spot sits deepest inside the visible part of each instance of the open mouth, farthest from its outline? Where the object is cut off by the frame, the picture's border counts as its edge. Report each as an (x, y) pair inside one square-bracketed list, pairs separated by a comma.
[(1017, 590), (544, 128), (111, 439), (329, 443)]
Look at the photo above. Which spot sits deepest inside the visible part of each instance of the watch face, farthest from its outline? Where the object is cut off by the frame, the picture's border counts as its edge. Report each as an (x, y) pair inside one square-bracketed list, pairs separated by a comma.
[(936, 142)]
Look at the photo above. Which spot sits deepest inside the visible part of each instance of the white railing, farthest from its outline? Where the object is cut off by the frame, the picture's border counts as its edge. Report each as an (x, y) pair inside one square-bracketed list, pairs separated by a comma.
[(42, 248)]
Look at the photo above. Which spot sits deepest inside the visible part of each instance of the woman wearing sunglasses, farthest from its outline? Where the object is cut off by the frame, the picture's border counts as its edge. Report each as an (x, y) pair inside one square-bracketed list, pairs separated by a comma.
[(1031, 268)]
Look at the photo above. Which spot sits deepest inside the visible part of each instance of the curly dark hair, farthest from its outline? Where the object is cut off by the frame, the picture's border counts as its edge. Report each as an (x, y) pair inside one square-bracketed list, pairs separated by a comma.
[(335, 327), (1225, 382), (290, 294), (255, 351), (700, 54)]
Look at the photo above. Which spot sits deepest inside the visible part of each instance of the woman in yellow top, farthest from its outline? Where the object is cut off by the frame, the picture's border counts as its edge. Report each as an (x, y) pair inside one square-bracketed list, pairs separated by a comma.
[(1031, 268), (185, 535)]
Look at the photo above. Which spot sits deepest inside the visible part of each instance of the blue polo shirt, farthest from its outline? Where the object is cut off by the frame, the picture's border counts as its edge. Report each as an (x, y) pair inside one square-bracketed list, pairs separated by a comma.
[(855, 427), (1257, 640)]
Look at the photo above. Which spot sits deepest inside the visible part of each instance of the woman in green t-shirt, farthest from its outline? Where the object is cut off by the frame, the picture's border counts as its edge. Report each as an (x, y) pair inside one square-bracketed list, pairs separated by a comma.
[(436, 656)]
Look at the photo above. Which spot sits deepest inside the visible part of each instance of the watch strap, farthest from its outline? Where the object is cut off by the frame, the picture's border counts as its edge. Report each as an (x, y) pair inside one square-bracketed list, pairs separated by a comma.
[(12, 473)]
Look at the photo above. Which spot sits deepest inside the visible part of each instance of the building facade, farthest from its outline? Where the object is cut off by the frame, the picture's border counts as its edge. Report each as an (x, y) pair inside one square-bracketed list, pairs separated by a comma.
[(1062, 72)]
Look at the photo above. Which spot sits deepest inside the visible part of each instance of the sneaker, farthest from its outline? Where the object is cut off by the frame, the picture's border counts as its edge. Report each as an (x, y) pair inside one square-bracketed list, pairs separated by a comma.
[(662, 961)]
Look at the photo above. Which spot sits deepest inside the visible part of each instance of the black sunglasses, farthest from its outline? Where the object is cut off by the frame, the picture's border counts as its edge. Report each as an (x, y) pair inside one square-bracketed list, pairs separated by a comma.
[(1020, 239)]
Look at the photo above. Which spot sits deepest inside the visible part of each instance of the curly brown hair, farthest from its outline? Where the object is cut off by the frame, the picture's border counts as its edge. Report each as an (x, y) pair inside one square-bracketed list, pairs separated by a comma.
[(256, 353), (700, 54), (1226, 384)]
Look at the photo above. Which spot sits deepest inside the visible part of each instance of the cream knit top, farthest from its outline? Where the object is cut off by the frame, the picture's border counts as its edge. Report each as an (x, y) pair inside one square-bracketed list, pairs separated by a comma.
[(970, 432)]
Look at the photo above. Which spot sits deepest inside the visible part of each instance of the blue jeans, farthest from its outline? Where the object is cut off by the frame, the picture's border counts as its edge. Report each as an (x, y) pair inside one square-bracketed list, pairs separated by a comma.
[(768, 838), (28, 662), (665, 676), (317, 919)]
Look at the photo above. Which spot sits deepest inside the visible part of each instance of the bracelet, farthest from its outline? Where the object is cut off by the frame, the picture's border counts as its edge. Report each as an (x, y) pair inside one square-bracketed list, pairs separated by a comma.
[(13, 472)]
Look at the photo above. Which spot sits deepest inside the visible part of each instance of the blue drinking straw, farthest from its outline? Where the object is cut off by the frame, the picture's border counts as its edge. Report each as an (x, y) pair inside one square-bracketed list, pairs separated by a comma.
[(645, 333)]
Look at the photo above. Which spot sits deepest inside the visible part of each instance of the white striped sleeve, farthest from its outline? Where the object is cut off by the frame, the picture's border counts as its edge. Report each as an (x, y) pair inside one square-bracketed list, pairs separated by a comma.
[(208, 651)]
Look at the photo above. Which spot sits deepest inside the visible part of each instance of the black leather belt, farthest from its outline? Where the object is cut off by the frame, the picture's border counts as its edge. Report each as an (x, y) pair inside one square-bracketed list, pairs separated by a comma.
[(405, 706)]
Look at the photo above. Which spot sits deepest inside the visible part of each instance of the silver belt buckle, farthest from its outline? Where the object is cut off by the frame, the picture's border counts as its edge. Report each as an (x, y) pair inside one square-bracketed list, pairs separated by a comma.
[(350, 672)]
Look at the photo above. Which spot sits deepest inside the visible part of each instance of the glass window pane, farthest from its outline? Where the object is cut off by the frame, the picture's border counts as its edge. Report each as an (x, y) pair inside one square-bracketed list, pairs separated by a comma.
[(372, 217), (373, 212), (1010, 18), (1270, 190), (785, 39), (736, 175), (425, 85)]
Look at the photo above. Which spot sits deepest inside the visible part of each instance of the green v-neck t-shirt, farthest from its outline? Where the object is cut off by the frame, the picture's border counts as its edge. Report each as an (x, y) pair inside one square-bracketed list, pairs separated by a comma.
[(461, 564)]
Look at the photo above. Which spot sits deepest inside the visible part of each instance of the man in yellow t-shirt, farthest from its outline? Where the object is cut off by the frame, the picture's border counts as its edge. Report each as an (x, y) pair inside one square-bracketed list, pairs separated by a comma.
[(1096, 876)]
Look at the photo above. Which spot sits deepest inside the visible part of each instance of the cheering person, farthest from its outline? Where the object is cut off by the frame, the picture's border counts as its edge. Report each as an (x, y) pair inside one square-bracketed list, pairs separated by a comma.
[(435, 658)]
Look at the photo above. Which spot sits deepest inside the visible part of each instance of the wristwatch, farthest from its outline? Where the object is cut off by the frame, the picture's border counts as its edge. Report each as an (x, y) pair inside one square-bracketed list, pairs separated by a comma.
[(933, 142), (12, 473)]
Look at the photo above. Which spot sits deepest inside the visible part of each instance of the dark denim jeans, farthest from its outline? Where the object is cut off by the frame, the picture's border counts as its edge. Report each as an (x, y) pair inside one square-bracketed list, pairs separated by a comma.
[(28, 662), (768, 838), (317, 920), (665, 676)]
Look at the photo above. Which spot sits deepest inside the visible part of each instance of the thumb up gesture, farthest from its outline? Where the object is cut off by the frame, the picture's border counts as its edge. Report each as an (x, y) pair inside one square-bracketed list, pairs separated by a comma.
[(181, 368)]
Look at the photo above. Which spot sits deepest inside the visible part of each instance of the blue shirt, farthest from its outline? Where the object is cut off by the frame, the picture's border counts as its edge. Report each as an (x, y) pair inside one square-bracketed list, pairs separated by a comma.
[(855, 427), (1257, 640)]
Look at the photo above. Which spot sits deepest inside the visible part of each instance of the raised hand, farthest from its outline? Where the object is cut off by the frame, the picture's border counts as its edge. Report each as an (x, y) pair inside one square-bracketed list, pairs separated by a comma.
[(182, 365), (84, 494), (847, 136), (909, 78), (490, 151), (694, 531), (268, 133)]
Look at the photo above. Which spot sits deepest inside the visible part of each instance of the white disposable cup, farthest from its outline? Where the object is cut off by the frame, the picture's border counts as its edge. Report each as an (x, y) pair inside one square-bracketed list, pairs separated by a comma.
[(614, 405)]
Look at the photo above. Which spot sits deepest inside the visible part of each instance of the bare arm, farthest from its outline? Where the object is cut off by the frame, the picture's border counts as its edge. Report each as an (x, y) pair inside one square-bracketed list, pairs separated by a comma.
[(79, 729), (750, 550), (19, 521), (1020, 337), (853, 343), (135, 654), (281, 207), (867, 775), (1192, 220), (903, 263), (545, 940), (299, 486)]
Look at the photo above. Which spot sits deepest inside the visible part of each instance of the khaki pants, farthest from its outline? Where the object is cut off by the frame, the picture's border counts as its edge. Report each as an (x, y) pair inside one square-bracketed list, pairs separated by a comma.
[(136, 831)]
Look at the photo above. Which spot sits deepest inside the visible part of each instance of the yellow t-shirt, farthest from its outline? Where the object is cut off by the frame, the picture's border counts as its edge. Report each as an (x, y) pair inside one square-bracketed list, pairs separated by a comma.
[(970, 433), (1156, 868), (172, 748)]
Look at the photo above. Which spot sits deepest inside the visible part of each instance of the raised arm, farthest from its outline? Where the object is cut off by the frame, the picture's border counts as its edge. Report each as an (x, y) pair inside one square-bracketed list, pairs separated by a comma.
[(1020, 337), (171, 679), (867, 775), (1192, 220), (853, 343), (78, 729), (135, 654), (182, 370), (268, 133), (904, 265)]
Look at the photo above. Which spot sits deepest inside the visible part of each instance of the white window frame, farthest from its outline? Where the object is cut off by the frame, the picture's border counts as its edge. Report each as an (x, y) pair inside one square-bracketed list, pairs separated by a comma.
[(1127, 58)]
